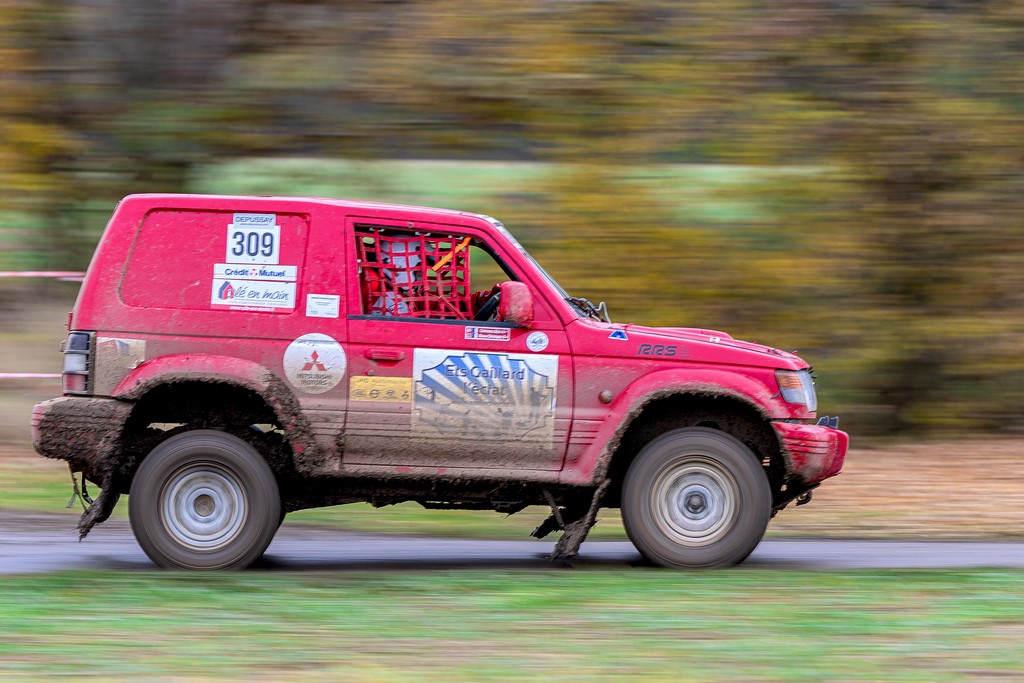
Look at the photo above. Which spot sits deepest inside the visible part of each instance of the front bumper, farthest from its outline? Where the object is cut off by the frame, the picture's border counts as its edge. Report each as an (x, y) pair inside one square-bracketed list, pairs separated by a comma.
[(813, 452)]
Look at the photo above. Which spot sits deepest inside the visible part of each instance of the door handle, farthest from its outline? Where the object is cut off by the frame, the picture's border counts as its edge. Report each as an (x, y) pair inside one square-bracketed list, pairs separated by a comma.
[(386, 355)]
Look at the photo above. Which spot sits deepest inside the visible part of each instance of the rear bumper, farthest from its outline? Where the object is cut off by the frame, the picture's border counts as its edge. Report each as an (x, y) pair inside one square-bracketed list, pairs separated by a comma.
[(81, 430), (813, 452)]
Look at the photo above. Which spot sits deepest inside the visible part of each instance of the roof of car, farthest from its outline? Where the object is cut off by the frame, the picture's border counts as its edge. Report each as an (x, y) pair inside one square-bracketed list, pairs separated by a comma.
[(216, 201)]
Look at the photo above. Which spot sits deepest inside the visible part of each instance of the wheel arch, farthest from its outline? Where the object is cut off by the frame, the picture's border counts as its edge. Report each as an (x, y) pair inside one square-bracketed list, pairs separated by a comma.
[(719, 409), (184, 390), (197, 367)]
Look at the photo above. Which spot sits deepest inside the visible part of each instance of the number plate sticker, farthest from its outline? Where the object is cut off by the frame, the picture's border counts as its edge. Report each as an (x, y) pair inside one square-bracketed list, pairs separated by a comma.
[(253, 238)]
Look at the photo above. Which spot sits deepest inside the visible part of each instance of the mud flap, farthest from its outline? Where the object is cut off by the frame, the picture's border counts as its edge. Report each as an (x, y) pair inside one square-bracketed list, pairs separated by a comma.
[(99, 510), (568, 546)]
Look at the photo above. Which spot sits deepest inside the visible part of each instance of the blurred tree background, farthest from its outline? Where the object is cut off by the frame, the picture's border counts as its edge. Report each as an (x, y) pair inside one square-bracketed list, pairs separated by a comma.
[(845, 179)]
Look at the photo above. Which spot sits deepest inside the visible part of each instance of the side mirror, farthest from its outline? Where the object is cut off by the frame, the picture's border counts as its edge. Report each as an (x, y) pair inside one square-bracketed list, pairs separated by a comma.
[(516, 304)]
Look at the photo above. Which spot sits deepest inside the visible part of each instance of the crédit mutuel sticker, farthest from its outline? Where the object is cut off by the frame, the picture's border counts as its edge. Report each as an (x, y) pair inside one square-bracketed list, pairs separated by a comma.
[(315, 363)]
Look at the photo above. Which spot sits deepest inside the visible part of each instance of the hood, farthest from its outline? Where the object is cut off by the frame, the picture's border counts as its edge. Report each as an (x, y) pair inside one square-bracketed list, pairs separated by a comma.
[(697, 334), (689, 344)]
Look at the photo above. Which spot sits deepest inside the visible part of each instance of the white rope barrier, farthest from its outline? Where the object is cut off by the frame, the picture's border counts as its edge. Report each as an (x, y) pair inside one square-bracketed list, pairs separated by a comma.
[(73, 275)]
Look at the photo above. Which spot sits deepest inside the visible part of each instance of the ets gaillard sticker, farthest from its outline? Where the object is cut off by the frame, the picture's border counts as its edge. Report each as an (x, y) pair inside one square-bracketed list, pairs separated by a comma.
[(484, 396)]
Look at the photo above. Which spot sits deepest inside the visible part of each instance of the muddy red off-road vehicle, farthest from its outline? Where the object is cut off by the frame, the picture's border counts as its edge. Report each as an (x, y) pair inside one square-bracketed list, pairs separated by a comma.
[(231, 359)]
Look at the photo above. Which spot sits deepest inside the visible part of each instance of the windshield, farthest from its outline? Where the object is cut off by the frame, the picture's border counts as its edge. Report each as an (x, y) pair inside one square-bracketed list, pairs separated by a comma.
[(504, 231), (583, 306)]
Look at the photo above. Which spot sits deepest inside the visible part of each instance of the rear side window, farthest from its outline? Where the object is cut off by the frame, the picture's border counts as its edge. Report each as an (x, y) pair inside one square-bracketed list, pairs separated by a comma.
[(218, 260)]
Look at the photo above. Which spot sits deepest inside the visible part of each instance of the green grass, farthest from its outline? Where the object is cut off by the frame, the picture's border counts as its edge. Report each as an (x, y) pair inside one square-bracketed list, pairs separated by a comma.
[(34, 486), (19, 244), (473, 625)]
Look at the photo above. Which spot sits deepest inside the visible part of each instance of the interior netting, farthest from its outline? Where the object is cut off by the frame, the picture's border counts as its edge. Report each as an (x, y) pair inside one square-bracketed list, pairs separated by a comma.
[(416, 275)]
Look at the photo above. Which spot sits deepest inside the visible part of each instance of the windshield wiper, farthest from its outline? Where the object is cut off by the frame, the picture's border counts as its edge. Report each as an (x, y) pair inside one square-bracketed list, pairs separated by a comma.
[(586, 306)]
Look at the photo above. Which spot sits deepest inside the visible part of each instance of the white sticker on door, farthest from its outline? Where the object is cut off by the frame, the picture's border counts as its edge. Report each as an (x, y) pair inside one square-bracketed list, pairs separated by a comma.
[(322, 305)]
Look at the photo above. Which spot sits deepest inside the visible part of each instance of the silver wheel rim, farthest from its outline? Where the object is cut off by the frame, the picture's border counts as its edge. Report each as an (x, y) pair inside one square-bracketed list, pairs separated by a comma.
[(204, 507), (694, 501)]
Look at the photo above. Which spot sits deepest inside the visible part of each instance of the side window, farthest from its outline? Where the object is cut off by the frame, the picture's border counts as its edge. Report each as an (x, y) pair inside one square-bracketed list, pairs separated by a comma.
[(216, 260), (423, 274), (486, 271)]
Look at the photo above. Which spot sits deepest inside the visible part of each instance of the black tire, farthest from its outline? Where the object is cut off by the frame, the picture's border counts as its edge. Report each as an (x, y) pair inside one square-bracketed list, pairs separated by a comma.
[(204, 500), (695, 497)]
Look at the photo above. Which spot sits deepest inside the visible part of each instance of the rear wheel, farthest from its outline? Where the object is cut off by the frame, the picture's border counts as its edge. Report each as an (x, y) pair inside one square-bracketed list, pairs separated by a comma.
[(204, 500), (695, 497)]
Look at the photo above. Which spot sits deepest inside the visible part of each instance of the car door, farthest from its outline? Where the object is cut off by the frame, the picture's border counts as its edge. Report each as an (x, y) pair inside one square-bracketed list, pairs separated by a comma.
[(430, 387)]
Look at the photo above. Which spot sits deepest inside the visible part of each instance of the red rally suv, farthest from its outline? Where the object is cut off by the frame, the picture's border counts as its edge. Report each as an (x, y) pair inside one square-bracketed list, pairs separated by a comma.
[(232, 359)]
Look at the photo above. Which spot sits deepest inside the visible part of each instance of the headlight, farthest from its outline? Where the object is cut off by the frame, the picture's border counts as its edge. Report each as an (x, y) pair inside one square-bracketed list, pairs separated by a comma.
[(797, 387)]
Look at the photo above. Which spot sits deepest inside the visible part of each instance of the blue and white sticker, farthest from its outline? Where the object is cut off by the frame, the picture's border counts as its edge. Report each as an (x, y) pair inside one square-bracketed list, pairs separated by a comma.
[(619, 335), (537, 342), (484, 396)]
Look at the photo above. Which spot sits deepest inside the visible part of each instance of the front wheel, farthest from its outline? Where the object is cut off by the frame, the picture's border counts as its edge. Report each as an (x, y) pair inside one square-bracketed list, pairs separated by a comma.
[(204, 500), (695, 497)]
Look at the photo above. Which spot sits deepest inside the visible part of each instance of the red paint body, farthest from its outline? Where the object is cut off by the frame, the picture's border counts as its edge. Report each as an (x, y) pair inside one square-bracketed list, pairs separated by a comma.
[(151, 300)]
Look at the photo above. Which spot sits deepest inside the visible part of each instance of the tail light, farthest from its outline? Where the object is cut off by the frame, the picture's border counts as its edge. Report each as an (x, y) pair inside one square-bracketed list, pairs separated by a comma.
[(78, 359)]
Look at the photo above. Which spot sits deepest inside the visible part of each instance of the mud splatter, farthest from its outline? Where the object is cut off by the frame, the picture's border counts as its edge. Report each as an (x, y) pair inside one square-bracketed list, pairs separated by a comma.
[(568, 546)]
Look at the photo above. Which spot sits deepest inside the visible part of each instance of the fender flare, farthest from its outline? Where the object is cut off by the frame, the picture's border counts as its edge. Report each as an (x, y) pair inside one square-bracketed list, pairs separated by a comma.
[(237, 372), (591, 468), (199, 367)]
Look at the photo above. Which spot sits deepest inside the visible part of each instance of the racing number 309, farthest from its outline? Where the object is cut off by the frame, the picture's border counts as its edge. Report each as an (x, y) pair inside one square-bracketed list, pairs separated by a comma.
[(245, 243), (253, 244)]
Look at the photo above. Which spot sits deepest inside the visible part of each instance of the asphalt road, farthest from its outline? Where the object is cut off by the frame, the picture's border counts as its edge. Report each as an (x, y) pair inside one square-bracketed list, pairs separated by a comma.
[(45, 543)]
